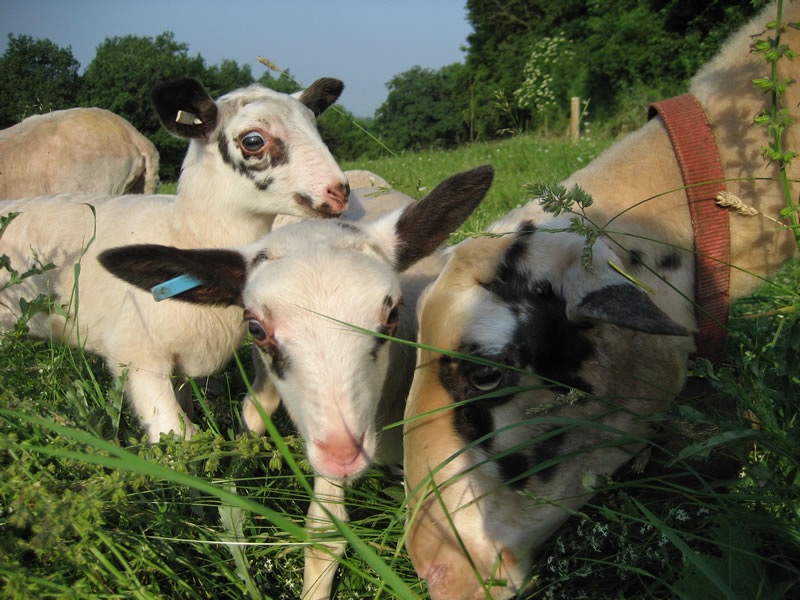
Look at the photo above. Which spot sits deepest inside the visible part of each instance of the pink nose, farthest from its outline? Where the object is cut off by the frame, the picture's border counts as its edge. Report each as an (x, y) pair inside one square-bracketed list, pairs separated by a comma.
[(336, 198), (341, 450)]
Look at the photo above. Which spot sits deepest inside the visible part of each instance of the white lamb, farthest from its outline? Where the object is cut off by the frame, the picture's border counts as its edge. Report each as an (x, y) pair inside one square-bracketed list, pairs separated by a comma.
[(308, 291), (253, 153)]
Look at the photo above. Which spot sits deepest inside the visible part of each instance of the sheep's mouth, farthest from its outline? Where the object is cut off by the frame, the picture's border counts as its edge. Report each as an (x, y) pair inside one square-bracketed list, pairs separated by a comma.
[(325, 210)]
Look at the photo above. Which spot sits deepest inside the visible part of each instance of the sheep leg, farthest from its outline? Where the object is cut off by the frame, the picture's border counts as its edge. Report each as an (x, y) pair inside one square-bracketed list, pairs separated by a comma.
[(183, 393), (263, 394), (320, 564), (153, 399)]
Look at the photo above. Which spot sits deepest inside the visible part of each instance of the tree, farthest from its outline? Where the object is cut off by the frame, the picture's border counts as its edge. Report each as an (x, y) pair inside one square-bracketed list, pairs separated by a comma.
[(226, 77), (419, 110), (121, 76), (36, 76), (285, 82), (345, 135), (623, 48)]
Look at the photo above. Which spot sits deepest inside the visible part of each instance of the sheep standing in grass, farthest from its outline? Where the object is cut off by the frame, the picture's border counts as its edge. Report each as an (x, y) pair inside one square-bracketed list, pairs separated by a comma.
[(309, 290), (252, 153), (592, 352), (76, 150)]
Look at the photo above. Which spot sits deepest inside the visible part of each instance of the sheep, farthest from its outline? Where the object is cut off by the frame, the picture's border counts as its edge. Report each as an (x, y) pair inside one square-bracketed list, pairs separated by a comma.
[(587, 344), (252, 154), (303, 288), (76, 150)]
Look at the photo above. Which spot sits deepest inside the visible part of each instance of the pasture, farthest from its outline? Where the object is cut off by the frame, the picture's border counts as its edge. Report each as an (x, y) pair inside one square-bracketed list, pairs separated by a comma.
[(88, 510)]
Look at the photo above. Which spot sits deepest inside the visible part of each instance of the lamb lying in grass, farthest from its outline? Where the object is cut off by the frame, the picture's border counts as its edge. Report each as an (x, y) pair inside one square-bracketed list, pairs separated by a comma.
[(252, 154), (311, 292), (510, 453)]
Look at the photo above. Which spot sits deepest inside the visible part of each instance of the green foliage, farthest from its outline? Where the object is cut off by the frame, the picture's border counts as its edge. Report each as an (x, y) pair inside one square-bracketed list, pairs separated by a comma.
[(120, 78), (345, 135), (226, 77), (777, 118), (546, 84), (418, 112), (613, 43), (285, 82), (36, 76)]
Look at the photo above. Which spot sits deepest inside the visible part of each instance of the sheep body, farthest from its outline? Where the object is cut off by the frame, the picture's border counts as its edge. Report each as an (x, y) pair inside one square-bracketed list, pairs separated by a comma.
[(76, 150), (526, 299)]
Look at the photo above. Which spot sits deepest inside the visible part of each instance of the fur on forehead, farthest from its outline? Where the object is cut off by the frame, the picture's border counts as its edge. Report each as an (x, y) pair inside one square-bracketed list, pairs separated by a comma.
[(280, 105), (308, 237), (548, 251), (341, 283)]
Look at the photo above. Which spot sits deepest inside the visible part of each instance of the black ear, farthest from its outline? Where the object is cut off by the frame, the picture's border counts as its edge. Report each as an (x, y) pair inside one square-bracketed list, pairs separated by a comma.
[(185, 108), (223, 272), (321, 94), (627, 306), (425, 224)]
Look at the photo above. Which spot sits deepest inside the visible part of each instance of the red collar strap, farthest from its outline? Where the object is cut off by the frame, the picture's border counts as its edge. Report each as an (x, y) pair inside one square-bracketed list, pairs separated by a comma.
[(698, 158)]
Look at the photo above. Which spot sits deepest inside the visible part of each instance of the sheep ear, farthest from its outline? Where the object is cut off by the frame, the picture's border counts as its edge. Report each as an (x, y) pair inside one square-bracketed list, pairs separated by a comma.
[(221, 273), (416, 231), (185, 108), (321, 94), (625, 305)]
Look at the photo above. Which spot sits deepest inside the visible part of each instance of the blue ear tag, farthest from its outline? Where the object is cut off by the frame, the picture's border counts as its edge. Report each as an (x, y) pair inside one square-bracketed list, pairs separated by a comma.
[(174, 286)]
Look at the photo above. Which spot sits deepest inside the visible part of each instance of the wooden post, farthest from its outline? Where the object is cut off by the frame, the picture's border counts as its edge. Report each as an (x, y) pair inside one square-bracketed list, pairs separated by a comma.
[(574, 118)]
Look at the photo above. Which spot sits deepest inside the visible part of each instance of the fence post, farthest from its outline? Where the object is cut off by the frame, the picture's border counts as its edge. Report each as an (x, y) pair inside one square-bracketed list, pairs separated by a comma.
[(574, 118)]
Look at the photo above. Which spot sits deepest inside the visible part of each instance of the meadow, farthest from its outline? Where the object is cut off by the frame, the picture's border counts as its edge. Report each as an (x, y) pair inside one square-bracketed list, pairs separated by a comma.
[(89, 510)]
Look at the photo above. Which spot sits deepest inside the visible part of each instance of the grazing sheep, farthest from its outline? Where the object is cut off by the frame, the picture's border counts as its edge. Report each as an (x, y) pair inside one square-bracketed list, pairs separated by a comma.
[(252, 154), (304, 288), (509, 468), (76, 150)]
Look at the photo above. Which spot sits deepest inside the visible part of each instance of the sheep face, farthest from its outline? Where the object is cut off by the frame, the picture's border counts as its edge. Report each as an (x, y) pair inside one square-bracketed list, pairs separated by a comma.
[(509, 450), (260, 143), (308, 305)]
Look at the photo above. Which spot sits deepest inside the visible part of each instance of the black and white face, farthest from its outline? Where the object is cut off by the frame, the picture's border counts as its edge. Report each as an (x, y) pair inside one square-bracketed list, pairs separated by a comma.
[(271, 140), (511, 435), (258, 146), (309, 304)]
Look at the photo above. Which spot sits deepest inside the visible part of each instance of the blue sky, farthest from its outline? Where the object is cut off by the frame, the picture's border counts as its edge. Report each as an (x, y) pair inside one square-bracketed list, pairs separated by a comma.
[(364, 43)]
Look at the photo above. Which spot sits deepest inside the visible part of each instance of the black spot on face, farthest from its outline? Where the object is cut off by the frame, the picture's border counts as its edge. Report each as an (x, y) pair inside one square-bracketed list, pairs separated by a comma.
[(670, 261), (278, 360), (344, 226), (259, 258), (548, 449), (512, 466), (473, 421), (635, 258), (264, 184)]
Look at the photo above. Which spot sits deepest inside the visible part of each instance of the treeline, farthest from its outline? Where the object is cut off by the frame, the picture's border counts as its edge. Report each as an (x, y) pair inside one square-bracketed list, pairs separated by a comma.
[(38, 76), (527, 58), (523, 62)]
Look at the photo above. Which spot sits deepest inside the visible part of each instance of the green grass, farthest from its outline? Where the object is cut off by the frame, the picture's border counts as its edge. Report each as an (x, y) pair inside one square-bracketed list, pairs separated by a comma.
[(89, 511)]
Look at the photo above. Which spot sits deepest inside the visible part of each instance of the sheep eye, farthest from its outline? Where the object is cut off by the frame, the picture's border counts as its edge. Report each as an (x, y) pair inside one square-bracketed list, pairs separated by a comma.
[(257, 331), (394, 316), (252, 142), (484, 377)]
